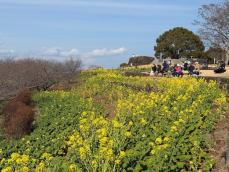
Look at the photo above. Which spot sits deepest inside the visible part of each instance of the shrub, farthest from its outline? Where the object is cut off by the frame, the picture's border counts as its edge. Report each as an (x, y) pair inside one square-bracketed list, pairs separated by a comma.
[(140, 60), (124, 65), (24, 97), (18, 116)]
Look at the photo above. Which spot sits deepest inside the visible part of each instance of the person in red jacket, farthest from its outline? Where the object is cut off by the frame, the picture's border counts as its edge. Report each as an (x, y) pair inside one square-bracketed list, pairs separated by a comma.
[(178, 70)]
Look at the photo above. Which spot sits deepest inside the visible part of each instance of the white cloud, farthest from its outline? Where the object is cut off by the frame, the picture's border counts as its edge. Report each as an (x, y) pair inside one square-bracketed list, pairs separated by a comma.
[(104, 52), (6, 52), (71, 52), (58, 52)]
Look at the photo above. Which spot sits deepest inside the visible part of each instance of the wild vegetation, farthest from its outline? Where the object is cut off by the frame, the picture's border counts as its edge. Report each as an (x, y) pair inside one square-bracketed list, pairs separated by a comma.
[(111, 122)]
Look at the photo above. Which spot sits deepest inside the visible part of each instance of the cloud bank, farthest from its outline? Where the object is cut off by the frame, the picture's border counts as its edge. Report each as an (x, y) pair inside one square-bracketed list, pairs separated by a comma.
[(104, 52), (56, 53)]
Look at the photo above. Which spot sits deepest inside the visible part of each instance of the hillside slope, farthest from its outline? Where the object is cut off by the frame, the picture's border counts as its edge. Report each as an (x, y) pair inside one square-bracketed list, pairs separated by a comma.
[(111, 122)]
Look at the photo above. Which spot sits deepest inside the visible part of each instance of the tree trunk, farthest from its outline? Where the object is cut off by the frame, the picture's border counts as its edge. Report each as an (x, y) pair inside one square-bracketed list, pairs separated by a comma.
[(227, 58), (227, 54)]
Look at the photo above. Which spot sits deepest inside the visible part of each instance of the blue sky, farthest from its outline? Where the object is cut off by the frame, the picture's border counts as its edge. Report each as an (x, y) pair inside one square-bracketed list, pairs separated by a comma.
[(100, 32)]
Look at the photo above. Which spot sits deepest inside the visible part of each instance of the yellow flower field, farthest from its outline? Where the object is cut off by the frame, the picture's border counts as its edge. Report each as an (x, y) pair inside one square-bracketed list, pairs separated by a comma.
[(116, 123)]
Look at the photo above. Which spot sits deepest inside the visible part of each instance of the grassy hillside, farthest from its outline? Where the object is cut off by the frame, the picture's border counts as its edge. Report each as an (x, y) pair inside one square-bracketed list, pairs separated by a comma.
[(111, 122)]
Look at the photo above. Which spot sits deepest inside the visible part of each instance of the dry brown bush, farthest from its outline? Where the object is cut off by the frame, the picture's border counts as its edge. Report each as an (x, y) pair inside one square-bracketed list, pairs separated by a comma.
[(18, 116), (24, 97)]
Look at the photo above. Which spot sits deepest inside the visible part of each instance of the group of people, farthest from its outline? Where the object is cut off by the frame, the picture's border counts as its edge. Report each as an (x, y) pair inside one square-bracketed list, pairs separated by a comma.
[(175, 70)]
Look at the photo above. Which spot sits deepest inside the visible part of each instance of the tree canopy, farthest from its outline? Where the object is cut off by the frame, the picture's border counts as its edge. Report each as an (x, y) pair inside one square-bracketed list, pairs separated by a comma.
[(179, 42)]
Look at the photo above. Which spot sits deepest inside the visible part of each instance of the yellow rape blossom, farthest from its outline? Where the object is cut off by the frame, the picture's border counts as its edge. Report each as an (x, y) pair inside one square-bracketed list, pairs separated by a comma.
[(7, 169), (102, 132), (122, 154), (130, 123), (173, 128), (83, 151), (158, 140), (117, 161), (166, 139), (73, 167), (143, 121), (15, 156), (116, 124), (153, 152), (109, 154), (40, 167), (24, 158), (84, 113), (46, 156), (2, 161), (128, 134), (24, 169), (151, 143), (103, 140), (94, 163)]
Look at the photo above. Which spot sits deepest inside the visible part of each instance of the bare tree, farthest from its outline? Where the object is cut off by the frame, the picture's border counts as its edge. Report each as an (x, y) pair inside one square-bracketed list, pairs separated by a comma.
[(215, 54), (16, 75), (72, 67), (214, 25)]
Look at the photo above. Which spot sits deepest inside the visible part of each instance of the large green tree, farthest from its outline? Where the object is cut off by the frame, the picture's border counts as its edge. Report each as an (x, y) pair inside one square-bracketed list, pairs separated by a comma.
[(179, 42)]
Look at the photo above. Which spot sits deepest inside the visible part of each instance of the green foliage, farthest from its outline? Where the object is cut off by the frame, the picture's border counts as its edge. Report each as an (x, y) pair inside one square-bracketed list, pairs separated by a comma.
[(179, 42)]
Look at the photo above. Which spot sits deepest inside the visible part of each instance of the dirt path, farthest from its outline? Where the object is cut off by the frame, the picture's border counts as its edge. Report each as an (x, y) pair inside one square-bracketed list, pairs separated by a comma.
[(220, 137), (210, 73)]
